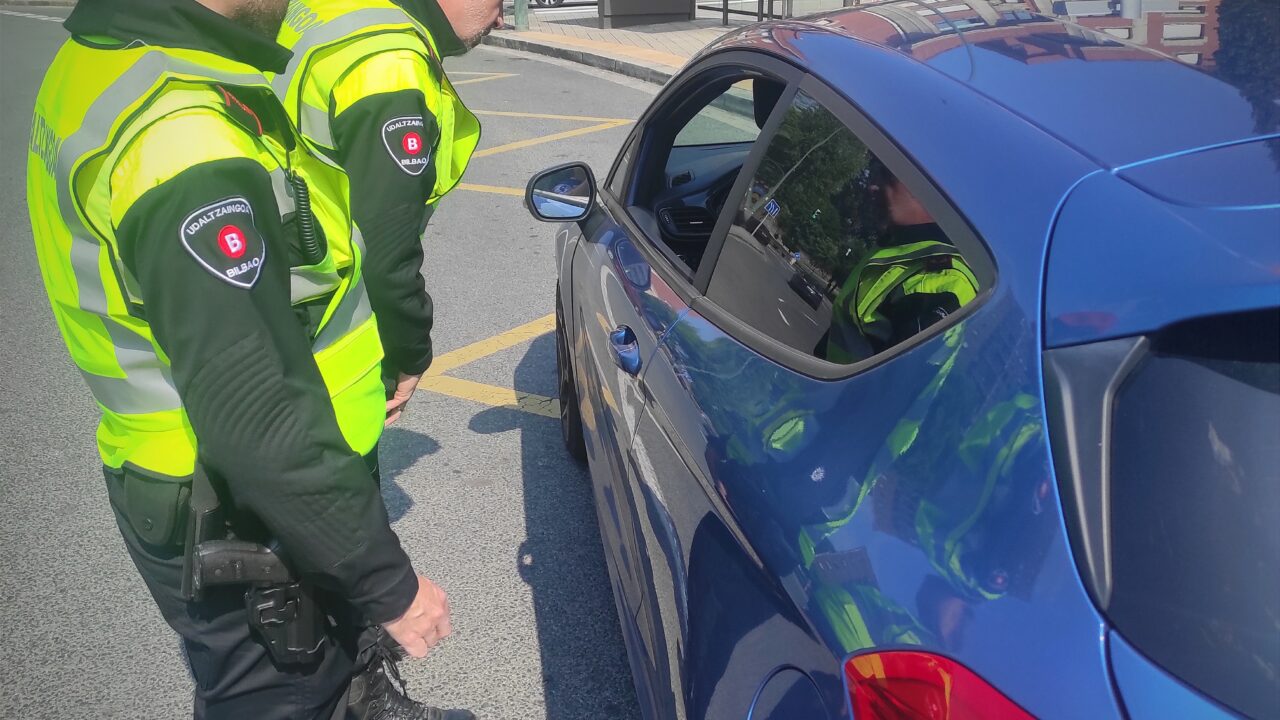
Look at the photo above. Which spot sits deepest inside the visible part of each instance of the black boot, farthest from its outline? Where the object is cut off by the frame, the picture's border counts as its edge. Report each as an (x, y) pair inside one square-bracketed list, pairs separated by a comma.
[(378, 693)]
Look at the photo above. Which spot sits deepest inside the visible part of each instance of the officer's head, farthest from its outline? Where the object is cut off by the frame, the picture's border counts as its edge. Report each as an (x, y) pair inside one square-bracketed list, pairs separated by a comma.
[(472, 19), (900, 206), (261, 16)]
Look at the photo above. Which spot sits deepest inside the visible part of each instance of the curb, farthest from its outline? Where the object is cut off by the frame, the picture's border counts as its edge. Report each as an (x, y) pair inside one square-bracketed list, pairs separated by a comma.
[(601, 62), (38, 3)]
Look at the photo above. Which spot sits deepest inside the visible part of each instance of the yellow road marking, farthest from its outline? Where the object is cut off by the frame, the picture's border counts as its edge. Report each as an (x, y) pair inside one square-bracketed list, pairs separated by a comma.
[(487, 78), (436, 381), (544, 116), (521, 144), (473, 352), (494, 189), (491, 395)]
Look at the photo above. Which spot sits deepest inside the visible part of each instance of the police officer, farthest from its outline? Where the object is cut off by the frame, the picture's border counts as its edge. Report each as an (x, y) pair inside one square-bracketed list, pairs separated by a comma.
[(914, 278), (204, 276), (368, 93)]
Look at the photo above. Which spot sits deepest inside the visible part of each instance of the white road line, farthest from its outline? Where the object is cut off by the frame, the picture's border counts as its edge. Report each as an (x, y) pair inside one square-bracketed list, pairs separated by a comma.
[(31, 16), (784, 317)]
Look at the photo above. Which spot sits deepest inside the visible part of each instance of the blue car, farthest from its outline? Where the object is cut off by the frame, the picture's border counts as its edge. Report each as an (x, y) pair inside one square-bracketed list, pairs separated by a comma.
[(1012, 447)]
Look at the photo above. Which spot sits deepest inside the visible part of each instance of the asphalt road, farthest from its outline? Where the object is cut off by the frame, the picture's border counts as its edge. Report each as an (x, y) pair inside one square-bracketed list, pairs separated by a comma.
[(483, 497)]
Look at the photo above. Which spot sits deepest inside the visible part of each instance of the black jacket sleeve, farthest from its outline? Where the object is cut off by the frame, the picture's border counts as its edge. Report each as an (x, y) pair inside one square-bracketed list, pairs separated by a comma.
[(388, 203), (242, 364)]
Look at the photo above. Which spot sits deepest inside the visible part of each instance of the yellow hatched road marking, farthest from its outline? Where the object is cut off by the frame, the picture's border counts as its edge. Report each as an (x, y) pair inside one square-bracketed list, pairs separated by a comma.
[(521, 144), (437, 382), (494, 189), (470, 353), (491, 395)]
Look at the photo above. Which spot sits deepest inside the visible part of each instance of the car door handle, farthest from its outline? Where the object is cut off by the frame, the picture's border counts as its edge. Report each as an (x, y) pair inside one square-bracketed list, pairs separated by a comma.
[(626, 353)]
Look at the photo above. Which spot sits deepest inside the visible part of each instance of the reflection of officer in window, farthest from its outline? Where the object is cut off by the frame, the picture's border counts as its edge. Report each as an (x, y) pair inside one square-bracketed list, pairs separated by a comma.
[(912, 278)]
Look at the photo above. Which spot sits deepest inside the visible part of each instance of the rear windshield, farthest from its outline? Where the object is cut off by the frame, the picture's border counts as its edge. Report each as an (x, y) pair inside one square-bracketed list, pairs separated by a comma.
[(1195, 517)]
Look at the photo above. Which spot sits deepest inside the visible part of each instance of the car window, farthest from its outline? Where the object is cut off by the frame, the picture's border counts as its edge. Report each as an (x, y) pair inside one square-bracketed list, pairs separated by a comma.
[(729, 118), (695, 146), (1194, 497), (829, 253)]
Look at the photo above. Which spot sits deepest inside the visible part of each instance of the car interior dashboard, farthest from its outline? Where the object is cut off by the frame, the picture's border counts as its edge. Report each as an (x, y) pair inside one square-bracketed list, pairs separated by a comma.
[(689, 184), (697, 185)]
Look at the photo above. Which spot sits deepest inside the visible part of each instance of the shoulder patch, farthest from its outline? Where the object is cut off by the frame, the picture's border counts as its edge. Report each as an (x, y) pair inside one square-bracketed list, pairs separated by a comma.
[(223, 239), (405, 138)]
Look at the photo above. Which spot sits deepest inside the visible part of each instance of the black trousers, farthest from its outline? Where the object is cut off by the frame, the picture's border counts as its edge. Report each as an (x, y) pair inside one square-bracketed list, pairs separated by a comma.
[(234, 676)]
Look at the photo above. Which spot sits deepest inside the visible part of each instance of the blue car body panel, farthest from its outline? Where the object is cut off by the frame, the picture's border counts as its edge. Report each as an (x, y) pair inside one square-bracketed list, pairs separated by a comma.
[(1165, 262), (919, 507)]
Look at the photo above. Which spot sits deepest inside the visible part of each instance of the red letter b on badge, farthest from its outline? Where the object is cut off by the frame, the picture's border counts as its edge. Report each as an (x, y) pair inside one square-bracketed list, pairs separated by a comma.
[(412, 143), (231, 240)]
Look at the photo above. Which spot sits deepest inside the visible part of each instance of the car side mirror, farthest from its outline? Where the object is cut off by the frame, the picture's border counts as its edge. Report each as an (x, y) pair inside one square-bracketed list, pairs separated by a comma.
[(561, 194)]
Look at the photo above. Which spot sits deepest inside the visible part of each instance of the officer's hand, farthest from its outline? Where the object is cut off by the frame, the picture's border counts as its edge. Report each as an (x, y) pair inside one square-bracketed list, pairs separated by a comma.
[(425, 623), (399, 401)]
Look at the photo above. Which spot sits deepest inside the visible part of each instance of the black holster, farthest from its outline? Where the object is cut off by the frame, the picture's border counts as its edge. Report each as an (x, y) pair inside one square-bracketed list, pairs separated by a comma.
[(282, 609)]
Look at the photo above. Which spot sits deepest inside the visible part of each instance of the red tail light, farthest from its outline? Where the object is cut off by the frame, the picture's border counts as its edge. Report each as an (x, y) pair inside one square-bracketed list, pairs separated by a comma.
[(907, 685)]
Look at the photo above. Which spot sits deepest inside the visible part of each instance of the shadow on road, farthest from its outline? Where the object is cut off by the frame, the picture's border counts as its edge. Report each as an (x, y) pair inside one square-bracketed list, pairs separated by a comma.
[(584, 667), (398, 451)]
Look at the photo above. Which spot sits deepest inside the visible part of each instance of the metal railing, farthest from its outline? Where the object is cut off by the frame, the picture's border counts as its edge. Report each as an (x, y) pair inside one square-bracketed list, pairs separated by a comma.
[(765, 9)]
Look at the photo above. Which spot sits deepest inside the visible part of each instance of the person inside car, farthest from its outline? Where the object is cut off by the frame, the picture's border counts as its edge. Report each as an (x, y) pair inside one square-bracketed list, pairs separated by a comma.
[(912, 278)]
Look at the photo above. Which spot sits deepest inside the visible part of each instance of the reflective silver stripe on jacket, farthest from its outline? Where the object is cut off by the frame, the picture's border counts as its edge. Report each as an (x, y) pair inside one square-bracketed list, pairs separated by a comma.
[(283, 191), (312, 122), (308, 284), (147, 386), (353, 310), (316, 121)]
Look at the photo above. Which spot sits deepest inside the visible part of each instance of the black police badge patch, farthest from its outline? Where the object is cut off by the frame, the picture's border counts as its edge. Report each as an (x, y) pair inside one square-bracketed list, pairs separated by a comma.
[(223, 239), (404, 138)]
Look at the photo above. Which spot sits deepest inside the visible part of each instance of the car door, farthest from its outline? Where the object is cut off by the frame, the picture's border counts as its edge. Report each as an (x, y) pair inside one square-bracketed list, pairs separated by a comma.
[(633, 278), (621, 310), (688, 163)]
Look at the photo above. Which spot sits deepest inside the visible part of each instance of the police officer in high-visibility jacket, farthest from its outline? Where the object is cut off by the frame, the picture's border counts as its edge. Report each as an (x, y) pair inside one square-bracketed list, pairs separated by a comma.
[(205, 277), (913, 278), (369, 94)]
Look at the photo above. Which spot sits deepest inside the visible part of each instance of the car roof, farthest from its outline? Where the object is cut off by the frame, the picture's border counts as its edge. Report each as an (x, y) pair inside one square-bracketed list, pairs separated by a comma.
[(1120, 82)]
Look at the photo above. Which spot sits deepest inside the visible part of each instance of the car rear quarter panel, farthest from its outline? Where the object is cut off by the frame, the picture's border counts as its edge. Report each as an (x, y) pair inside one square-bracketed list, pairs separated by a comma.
[(1124, 263)]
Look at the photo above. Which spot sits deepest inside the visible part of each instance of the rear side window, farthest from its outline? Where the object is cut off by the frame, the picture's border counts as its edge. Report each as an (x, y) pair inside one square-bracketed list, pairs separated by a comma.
[(1195, 507), (829, 253)]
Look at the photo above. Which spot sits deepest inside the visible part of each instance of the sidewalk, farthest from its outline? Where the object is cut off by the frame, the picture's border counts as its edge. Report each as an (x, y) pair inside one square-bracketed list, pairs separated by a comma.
[(647, 52)]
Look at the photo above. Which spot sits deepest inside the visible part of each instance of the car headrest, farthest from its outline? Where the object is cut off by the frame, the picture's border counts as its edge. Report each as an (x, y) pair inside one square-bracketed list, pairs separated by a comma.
[(765, 94)]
